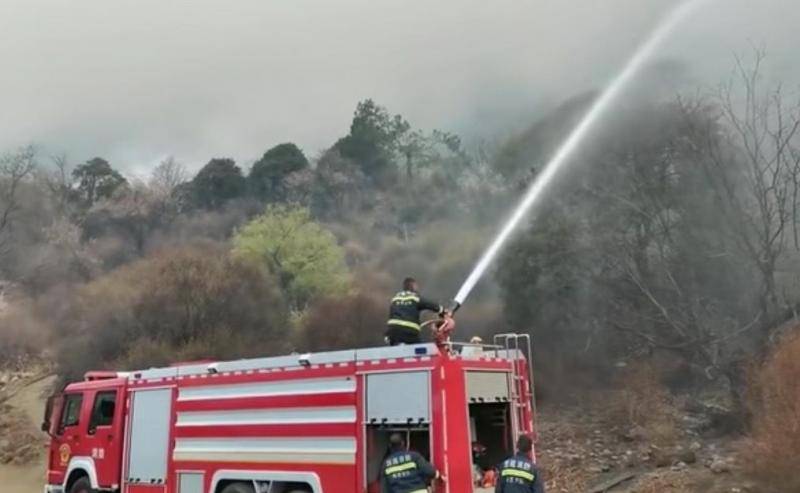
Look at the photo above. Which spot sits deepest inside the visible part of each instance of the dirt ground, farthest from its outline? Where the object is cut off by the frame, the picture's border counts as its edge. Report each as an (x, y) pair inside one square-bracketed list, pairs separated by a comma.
[(22, 479), (24, 403), (582, 451)]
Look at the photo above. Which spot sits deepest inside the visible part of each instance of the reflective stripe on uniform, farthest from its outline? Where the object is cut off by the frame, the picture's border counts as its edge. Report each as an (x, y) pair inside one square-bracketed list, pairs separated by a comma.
[(400, 468), (518, 473), (406, 298), (404, 323), (419, 491)]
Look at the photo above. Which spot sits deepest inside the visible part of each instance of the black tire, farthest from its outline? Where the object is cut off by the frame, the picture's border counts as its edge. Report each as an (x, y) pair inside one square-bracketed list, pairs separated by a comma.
[(82, 486), (239, 488)]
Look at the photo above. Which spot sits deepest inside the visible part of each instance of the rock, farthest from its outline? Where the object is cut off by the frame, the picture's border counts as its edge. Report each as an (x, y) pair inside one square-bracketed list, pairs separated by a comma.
[(719, 465), (687, 456), (695, 446), (607, 485), (714, 419), (748, 487), (679, 466), (630, 461), (660, 459), (634, 434)]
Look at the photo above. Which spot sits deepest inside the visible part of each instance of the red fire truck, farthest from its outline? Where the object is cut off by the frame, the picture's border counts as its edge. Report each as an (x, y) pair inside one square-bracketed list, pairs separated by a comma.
[(310, 423)]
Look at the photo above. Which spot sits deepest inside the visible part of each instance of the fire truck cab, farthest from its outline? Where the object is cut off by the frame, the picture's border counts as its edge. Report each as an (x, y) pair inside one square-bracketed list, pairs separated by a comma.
[(303, 423)]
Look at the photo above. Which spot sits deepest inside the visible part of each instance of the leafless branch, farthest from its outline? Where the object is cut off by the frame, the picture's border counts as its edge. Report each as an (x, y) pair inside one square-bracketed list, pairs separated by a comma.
[(14, 169)]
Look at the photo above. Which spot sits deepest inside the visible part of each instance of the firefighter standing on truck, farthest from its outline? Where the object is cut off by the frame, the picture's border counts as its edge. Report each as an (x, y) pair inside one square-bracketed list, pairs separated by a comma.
[(404, 312), (405, 471), (519, 474)]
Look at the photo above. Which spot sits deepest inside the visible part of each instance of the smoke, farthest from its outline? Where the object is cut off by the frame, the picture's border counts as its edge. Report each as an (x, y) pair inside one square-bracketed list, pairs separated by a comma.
[(134, 81), (575, 138)]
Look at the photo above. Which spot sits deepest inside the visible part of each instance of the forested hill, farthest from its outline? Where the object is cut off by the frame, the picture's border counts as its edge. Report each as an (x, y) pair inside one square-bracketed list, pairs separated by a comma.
[(677, 231)]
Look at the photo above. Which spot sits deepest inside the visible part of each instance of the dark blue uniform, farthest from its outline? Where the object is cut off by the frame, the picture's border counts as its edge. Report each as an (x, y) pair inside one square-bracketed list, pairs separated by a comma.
[(519, 475), (404, 317), (406, 472)]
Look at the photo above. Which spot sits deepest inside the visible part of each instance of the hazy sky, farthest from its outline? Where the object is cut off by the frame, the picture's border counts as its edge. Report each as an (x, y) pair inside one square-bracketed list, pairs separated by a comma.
[(134, 81)]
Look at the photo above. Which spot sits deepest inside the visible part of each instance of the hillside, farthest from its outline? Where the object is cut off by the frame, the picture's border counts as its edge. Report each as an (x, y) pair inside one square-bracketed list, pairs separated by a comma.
[(22, 401)]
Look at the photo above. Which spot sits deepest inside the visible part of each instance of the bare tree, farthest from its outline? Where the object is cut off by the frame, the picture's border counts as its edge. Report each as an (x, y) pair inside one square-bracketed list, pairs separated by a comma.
[(754, 171), (135, 211), (14, 169), (166, 177), (57, 181), (764, 128), (654, 302)]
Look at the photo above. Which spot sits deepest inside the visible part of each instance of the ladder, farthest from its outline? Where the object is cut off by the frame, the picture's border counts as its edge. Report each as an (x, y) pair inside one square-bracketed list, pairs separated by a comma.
[(517, 348)]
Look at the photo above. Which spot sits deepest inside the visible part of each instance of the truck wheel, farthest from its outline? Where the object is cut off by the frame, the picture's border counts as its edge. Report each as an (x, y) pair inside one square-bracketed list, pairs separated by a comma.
[(81, 486), (238, 488)]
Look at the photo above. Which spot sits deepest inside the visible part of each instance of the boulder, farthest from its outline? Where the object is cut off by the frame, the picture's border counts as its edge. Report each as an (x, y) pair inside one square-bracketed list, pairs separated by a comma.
[(719, 465), (687, 456)]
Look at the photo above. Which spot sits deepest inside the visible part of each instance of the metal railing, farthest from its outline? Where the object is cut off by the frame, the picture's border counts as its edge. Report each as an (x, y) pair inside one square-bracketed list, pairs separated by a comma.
[(485, 347), (520, 344)]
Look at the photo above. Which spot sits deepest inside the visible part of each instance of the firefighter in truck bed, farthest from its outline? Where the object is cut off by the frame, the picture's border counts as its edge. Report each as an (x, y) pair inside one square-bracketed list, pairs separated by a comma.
[(519, 474), (405, 471), (404, 311)]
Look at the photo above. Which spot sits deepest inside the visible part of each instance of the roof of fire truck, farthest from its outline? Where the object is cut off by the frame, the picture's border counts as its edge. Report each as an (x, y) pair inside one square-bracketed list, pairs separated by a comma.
[(363, 356)]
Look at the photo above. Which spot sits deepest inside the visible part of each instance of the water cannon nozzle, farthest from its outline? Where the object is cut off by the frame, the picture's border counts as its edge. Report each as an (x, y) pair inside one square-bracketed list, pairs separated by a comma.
[(454, 306)]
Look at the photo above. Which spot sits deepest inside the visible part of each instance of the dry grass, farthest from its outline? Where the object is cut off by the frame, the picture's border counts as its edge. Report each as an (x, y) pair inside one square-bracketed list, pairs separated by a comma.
[(662, 483), (643, 401), (561, 478), (773, 447), (19, 442), (22, 335), (342, 322)]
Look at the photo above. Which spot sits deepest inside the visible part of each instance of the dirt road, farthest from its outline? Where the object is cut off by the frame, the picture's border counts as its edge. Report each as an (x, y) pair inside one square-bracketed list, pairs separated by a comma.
[(24, 479)]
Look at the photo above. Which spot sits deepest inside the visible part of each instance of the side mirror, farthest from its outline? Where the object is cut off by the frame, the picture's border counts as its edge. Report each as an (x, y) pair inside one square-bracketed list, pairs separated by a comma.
[(48, 412), (51, 412)]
